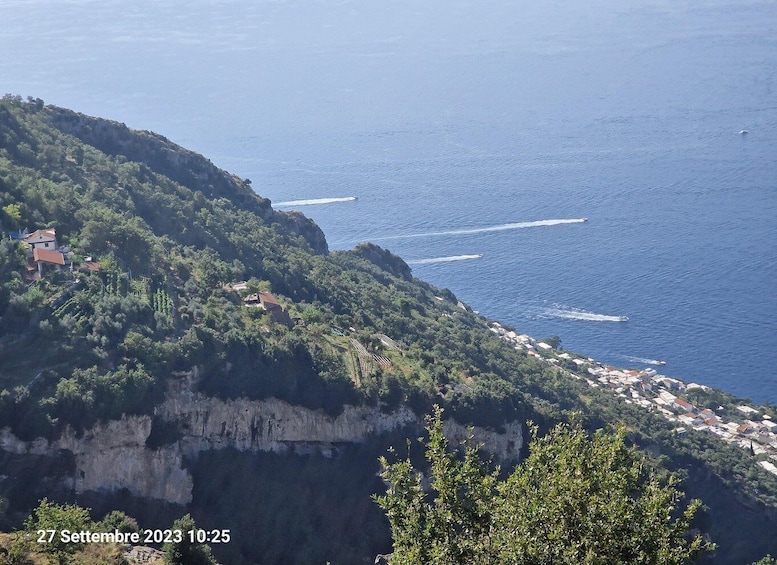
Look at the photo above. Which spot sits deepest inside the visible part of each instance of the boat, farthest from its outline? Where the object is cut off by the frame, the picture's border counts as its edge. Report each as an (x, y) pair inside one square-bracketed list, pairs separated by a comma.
[(743, 132), (585, 219), (623, 318)]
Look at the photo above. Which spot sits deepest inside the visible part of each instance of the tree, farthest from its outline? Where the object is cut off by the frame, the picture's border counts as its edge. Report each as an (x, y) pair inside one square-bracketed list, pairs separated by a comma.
[(55, 518), (13, 215), (185, 552), (118, 521), (454, 528), (554, 341), (575, 499)]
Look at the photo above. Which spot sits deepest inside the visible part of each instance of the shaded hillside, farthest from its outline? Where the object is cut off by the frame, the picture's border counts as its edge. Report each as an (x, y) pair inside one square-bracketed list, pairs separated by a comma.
[(158, 237)]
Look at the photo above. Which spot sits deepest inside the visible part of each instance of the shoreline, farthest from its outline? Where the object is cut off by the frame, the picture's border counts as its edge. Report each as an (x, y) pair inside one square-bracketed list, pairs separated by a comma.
[(739, 423)]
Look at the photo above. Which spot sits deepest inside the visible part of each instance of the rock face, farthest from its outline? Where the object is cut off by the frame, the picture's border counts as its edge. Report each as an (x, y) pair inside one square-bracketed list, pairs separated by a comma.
[(115, 455)]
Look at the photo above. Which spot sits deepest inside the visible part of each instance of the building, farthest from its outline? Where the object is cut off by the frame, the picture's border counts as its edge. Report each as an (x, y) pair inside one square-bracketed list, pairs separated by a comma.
[(770, 426), (42, 239), (47, 257), (278, 312), (682, 405)]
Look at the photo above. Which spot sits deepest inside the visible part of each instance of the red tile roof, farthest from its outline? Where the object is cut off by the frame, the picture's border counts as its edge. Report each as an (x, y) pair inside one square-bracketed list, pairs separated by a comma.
[(683, 404), (267, 298), (48, 256)]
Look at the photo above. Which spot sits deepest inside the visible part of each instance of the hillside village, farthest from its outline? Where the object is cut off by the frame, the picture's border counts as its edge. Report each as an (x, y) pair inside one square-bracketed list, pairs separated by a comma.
[(745, 427)]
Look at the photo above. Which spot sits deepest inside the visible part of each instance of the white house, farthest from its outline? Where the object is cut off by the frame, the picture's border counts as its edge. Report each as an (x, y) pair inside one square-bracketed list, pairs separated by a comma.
[(42, 239)]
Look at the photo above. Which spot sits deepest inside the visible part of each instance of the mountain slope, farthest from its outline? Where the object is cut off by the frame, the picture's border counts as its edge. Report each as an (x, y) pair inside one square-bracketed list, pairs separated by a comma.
[(169, 234)]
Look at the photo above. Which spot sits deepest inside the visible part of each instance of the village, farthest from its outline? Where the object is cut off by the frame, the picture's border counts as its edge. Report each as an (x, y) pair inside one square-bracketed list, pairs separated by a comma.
[(746, 428)]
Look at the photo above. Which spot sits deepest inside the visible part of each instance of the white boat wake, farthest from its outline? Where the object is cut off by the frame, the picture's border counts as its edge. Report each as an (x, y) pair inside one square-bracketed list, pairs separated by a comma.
[(578, 314), (644, 360), (443, 259), (501, 227), (314, 201)]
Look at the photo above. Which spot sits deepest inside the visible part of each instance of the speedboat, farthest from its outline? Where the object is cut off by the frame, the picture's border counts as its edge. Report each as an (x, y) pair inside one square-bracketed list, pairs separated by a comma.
[(743, 132)]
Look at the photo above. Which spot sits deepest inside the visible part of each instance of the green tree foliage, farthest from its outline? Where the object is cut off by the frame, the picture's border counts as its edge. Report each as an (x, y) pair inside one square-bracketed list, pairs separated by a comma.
[(574, 500), (57, 517), (118, 521), (12, 215), (455, 526), (185, 552)]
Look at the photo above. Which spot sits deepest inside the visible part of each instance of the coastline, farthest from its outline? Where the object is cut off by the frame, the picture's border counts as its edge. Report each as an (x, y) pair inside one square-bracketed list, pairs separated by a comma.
[(735, 421)]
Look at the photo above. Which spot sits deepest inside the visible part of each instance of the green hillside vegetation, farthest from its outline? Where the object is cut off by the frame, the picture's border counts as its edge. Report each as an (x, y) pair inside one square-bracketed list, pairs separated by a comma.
[(170, 233), (574, 500)]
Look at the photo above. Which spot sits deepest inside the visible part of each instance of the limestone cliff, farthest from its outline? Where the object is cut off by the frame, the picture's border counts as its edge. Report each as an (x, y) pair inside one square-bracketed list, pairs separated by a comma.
[(115, 455)]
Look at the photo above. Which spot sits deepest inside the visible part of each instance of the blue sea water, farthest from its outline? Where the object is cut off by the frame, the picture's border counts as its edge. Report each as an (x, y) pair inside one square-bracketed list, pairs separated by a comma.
[(464, 129)]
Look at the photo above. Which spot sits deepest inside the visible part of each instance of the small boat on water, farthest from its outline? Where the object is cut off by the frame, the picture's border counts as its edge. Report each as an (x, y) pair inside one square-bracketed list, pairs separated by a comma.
[(623, 318), (743, 132), (585, 219)]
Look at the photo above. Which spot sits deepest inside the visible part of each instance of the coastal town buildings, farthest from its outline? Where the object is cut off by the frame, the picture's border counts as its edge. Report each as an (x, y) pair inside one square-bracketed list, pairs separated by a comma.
[(747, 429)]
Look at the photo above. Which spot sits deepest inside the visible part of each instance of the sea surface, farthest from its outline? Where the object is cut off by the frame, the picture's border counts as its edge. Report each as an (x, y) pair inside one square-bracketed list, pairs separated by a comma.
[(473, 138)]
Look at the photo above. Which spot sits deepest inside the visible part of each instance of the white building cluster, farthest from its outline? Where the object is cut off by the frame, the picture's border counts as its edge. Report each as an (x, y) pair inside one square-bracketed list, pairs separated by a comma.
[(657, 392)]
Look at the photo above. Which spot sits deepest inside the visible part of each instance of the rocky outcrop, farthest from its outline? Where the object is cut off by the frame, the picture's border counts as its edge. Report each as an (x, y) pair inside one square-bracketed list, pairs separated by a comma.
[(298, 223), (384, 259), (115, 455)]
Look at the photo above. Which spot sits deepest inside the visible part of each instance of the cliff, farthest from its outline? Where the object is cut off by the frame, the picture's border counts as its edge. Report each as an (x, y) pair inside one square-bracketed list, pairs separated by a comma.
[(116, 455)]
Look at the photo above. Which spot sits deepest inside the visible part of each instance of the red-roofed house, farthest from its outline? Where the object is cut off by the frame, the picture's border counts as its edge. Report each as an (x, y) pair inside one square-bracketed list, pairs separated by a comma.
[(278, 313), (681, 404), (745, 428), (47, 257)]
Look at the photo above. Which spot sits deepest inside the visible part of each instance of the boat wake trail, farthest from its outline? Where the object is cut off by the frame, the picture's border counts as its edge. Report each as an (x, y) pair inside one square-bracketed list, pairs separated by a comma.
[(579, 314), (443, 259), (501, 227), (644, 360), (314, 201)]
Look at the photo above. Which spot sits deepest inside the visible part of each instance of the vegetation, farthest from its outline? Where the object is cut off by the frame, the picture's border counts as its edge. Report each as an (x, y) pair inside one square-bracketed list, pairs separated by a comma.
[(186, 552), (44, 525), (170, 232), (573, 500)]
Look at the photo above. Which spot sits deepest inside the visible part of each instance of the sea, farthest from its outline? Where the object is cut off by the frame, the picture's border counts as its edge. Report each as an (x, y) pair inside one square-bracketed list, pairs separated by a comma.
[(604, 171)]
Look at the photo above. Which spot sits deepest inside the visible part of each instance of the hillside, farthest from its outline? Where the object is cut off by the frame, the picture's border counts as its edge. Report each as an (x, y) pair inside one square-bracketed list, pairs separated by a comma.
[(237, 369)]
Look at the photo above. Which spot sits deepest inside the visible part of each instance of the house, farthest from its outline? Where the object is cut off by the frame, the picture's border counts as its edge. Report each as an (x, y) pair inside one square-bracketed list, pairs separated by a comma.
[(682, 405), (269, 303), (770, 426), (42, 239), (667, 397), (238, 286), (50, 257), (744, 429)]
